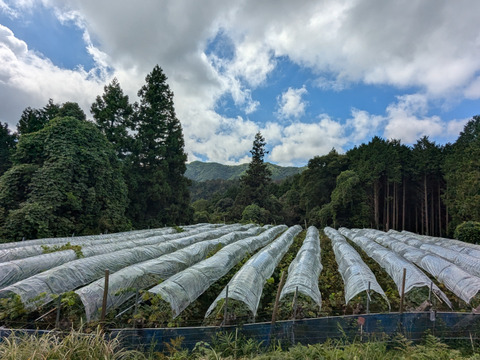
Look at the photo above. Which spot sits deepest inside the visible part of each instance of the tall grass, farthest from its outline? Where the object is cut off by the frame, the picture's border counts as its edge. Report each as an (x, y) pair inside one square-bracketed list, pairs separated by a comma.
[(72, 346)]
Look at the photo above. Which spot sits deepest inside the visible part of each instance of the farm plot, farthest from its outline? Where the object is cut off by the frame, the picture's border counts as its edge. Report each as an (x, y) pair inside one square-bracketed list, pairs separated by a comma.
[(184, 276)]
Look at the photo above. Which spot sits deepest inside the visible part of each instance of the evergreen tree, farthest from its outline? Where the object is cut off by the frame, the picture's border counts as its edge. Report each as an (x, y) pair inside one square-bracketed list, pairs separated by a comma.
[(257, 178), (462, 175), (113, 114), (35, 119), (7, 145), (157, 186)]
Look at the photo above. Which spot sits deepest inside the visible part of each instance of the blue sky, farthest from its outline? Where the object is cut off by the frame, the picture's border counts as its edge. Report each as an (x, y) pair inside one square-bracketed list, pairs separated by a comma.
[(309, 75)]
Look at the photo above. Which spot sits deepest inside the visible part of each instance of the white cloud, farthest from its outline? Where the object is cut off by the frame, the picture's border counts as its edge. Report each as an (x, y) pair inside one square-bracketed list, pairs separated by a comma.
[(302, 141), (430, 45), (291, 104)]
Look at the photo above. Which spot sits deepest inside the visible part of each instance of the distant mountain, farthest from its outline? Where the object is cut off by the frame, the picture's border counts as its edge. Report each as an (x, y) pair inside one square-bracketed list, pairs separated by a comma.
[(203, 171)]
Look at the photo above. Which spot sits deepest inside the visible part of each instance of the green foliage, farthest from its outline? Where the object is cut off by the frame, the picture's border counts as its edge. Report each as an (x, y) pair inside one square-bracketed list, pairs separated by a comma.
[(7, 146), (200, 171), (158, 189), (54, 248), (255, 214), (66, 179), (113, 114), (468, 231), (462, 174)]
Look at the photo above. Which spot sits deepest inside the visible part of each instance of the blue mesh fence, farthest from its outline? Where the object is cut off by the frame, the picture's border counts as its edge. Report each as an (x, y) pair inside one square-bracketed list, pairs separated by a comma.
[(444, 325)]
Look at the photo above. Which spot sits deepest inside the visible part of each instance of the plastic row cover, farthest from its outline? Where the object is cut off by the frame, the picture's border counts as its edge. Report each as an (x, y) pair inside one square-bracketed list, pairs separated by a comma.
[(469, 263), (457, 280), (305, 269), (185, 287), (16, 270), (355, 273), (452, 244), (80, 272), (393, 263), (32, 247), (247, 284), (124, 283)]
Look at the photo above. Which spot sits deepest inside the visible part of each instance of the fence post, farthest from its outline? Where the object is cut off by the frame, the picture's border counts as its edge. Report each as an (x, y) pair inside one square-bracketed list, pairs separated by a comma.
[(402, 297), (105, 297)]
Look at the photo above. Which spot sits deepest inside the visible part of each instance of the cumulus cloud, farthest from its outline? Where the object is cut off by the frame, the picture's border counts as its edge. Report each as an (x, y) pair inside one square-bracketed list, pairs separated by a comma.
[(302, 141), (290, 103), (428, 45)]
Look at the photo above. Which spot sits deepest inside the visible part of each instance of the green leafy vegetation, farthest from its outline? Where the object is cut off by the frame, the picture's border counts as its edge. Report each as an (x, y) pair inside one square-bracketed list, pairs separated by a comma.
[(50, 249)]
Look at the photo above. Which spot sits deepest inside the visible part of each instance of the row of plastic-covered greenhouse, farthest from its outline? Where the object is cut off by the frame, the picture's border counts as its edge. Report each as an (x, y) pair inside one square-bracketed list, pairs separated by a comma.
[(179, 266)]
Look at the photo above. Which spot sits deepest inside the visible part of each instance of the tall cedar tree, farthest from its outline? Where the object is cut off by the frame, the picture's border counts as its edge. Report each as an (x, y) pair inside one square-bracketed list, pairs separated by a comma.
[(113, 114), (158, 189), (255, 182), (35, 119), (462, 174), (7, 146)]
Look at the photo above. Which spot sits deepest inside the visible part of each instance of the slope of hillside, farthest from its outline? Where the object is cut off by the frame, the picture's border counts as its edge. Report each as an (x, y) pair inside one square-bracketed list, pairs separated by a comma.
[(202, 171)]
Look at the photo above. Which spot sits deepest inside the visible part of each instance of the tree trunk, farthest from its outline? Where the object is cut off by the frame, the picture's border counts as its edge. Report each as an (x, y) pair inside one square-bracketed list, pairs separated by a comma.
[(403, 202), (439, 212), (387, 221), (426, 203), (375, 203)]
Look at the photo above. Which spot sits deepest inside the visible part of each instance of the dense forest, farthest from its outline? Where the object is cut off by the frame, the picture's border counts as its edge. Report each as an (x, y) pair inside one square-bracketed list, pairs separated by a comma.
[(64, 174), (425, 188)]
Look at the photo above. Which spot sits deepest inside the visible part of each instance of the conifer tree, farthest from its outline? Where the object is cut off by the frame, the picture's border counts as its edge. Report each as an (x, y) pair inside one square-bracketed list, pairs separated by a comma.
[(158, 189), (113, 114), (255, 182)]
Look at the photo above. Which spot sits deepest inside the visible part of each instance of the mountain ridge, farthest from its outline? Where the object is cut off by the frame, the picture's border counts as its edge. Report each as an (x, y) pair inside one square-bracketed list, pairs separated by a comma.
[(202, 171)]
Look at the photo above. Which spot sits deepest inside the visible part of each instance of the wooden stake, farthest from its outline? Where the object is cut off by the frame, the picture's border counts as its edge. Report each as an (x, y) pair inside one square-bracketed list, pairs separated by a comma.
[(277, 299), (402, 297), (59, 305), (368, 298), (225, 309), (105, 297), (295, 303)]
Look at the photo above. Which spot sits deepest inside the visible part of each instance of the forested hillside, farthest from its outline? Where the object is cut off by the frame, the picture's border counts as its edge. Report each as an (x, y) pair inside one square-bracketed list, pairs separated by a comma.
[(204, 171)]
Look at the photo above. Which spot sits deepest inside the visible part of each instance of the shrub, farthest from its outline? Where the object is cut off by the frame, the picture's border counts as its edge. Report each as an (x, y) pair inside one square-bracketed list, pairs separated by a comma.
[(468, 231)]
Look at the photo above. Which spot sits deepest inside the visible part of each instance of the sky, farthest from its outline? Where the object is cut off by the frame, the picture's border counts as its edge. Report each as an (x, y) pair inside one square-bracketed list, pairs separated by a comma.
[(309, 75)]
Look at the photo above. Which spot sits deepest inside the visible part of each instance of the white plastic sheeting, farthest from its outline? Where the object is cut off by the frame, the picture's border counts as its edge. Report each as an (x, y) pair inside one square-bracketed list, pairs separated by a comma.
[(393, 263), (452, 244), (355, 273), (124, 283), (185, 287), (30, 248), (16, 270), (247, 284), (470, 264), (457, 280), (74, 274), (305, 269)]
